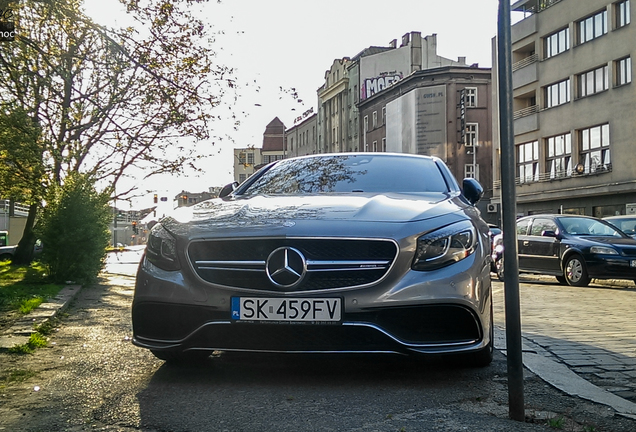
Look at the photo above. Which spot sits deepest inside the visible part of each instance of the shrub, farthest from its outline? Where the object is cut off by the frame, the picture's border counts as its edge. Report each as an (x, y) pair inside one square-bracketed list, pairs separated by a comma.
[(74, 230)]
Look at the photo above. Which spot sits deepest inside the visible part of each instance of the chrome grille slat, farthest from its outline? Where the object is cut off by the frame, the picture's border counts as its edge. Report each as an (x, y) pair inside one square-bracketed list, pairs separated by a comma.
[(330, 262)]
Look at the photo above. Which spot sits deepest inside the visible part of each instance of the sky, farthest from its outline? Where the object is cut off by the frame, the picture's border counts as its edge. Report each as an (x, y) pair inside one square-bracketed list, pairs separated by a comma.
[(274, 44)]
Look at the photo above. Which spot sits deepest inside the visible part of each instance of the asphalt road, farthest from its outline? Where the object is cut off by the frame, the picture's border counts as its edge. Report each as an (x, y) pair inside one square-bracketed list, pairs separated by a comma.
[(91, 377)]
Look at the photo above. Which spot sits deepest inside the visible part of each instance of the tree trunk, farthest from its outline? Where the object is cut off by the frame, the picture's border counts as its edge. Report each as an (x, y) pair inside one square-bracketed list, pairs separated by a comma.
[(24, 252)]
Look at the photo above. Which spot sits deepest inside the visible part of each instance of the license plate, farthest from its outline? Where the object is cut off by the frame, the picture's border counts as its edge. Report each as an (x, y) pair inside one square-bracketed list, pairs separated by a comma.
[(286, 309), (632, 263)]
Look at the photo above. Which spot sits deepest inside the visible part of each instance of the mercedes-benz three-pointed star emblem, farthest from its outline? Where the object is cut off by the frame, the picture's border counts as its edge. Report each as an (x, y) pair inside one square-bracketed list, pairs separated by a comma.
[(286, 267)]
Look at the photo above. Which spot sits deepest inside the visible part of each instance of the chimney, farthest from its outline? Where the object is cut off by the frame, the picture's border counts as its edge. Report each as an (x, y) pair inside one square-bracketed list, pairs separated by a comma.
[(461, 60), (393, 43), (405, 39)]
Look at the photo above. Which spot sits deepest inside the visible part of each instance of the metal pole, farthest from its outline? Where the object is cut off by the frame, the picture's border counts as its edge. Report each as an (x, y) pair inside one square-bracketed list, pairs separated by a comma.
[(509, 211)]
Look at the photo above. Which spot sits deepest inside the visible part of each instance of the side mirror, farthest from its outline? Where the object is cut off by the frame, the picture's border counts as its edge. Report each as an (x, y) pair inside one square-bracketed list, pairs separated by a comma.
[(228, 189), (472, 190)]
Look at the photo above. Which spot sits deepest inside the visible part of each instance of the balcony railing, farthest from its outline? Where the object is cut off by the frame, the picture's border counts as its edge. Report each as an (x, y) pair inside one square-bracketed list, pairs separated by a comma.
[(561, 175), (18, 208), (527, 61), (538, 6), (524, 112)]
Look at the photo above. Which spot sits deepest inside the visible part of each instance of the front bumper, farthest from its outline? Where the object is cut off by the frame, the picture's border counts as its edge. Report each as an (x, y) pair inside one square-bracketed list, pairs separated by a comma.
[(439, 328), (612, 268)]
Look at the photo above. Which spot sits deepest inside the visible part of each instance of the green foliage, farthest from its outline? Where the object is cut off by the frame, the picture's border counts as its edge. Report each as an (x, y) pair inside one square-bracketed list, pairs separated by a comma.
[(21, 169), (556, 423), (22, 287), (74, 230), (15, 375), (36, 340), (28, 305)]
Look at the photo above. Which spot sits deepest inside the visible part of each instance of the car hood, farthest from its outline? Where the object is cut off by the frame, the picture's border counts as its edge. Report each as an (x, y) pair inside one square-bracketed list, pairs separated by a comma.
[(263, 211)]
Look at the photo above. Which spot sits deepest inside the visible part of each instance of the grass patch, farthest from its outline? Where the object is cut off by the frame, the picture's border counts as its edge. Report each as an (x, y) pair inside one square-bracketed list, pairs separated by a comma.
[(15, 376), (23, 288), (36, 340), (556, 423)]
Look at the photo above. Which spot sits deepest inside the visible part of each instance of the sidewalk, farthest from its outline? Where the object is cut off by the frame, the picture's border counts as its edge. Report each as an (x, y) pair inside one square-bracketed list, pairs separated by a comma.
[(21, 330)]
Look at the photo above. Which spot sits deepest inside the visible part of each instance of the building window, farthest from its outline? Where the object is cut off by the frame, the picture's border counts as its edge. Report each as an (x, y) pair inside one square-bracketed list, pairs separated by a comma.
[(593, 27), (472, 130), (622, 13), (366, 147), (471, 97), (383, 115), (557, 43), (375, 146), (557, 94), (528, 162), (384, 144), (593, 81), (242, 178), (623, 68), (250, 158), (366, 124), (595, 149), (375, 119), (241, 158), (559, 156), (471, 171)]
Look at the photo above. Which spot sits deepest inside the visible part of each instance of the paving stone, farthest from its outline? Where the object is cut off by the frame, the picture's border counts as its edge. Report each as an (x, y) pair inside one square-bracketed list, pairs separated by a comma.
[(579, 362), (587, 370)]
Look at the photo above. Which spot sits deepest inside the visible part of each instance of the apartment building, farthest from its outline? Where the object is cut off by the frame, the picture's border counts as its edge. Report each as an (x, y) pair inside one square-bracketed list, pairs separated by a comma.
[(351, 80), (574, 108), (302, 138), (444, 112)]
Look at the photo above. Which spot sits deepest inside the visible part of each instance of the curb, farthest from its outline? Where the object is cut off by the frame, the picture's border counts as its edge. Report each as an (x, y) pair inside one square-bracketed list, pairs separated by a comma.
[(538, 361), (20, 332)]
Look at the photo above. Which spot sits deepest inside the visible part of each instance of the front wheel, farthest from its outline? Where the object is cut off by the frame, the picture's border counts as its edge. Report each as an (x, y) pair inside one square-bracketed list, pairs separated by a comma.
[(499, 268), (575, 272)]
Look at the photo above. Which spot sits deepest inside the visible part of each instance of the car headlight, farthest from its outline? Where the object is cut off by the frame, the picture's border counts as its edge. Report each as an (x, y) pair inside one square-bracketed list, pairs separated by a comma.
[(604, 250), (162, 249), (445, 246)]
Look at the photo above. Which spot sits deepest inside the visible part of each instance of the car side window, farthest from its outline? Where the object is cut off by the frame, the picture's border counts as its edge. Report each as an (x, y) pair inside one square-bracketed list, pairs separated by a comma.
[(522, 227), (541, 225)]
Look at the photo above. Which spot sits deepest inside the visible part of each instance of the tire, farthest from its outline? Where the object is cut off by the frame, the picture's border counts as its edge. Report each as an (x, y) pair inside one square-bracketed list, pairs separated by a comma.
[(499, 269), (575, 272), (6, 257), (562, 280), (180, 357)]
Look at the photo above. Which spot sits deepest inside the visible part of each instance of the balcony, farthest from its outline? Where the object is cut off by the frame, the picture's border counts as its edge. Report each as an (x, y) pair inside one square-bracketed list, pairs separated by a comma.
[(561, 175), (526, 120)]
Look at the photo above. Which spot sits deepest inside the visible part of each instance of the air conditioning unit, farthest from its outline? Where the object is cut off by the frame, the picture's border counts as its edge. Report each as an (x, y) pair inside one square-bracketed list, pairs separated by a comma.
[(492, 208)]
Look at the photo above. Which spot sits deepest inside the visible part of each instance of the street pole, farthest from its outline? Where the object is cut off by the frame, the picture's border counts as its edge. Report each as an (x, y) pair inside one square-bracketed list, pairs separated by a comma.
[(509, 212)]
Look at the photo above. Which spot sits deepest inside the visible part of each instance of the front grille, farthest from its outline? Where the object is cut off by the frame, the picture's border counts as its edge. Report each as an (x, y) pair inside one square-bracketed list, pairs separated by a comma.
[(629, 251), (328, 263)]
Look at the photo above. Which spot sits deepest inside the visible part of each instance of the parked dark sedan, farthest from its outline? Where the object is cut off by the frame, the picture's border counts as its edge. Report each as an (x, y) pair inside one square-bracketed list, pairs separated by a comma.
[(625, 223), (575, 249), (342, 253)]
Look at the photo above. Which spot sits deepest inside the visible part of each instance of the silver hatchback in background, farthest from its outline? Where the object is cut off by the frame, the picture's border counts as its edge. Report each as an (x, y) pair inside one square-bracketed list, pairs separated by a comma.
[(339, 253)]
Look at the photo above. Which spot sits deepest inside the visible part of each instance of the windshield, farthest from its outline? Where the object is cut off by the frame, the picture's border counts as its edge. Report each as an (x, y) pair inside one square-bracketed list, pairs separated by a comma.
[(350, 173), (627, 225), (588, 227)]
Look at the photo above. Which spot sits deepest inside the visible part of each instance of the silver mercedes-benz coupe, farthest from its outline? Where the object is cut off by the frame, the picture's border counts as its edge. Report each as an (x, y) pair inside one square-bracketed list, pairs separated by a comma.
[(331, 253)]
